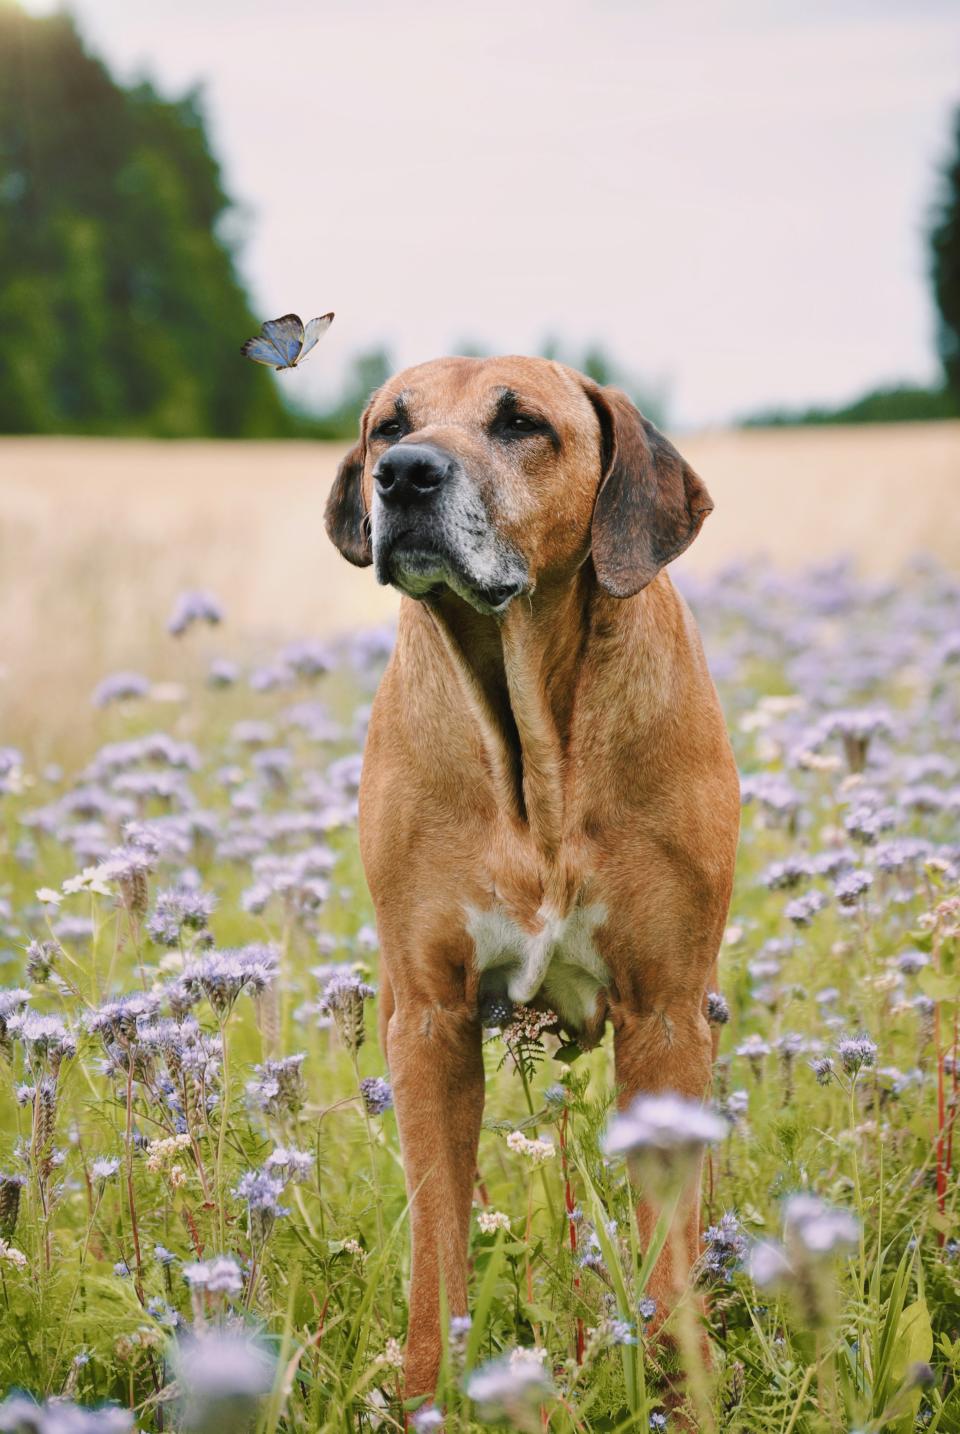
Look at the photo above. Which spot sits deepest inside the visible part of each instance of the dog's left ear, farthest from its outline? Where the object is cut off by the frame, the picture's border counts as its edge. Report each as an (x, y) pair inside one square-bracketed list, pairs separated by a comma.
[(650, 504), (346, 519)]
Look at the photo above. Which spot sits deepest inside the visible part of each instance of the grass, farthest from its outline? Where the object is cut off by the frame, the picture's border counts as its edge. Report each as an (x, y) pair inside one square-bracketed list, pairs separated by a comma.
[(844, 704)]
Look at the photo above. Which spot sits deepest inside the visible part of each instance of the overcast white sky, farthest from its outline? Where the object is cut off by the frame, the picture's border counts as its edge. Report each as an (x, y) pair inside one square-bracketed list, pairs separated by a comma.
[(731, 196)]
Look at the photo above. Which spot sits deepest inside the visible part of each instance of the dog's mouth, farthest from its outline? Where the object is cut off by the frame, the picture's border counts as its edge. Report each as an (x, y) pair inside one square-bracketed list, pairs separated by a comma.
[(425, 573)]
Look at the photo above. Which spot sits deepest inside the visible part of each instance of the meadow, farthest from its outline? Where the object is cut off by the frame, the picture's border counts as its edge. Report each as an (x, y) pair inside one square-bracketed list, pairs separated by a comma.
[(202, 1210)]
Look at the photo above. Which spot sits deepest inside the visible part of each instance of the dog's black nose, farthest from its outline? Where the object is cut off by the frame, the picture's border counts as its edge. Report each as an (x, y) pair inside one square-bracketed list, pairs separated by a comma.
[(410, 472)]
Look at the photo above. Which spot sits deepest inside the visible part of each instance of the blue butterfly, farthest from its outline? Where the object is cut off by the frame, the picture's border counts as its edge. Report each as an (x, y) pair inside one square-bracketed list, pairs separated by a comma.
[(283, 343)]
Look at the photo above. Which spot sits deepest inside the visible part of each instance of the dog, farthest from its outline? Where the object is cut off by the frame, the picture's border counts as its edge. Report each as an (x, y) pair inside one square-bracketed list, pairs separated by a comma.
[(549, 805)]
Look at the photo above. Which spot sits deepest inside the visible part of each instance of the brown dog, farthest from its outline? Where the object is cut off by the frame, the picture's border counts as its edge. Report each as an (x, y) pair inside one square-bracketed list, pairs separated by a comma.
[(549, 807)]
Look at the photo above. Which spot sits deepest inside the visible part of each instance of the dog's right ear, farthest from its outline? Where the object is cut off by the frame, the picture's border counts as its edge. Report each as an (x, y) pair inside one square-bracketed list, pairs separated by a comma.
[(346, 518)]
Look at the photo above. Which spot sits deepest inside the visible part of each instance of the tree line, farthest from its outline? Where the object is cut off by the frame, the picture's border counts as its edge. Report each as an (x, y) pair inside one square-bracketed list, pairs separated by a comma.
[(119, 282)]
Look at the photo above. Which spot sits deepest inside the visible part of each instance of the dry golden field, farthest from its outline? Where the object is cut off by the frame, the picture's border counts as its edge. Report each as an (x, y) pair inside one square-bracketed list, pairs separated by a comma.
[(98, 536)]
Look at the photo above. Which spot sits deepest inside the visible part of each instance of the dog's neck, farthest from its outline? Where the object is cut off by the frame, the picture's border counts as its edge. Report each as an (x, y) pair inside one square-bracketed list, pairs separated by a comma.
[(519, 675)]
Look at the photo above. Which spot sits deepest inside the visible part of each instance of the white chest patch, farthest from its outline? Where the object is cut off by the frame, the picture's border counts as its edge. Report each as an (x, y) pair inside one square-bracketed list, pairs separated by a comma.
[(559, 958)]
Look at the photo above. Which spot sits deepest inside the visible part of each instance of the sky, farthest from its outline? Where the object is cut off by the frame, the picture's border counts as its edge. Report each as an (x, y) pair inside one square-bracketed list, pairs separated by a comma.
[(730, 197)]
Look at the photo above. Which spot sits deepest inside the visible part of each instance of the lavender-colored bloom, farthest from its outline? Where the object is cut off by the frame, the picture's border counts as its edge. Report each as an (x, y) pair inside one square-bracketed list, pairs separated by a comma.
[(726, 1247), (42, 958), (377, 1094), (308, 659), (222, 1378), (663, 1135), (193, 607), (657, 1420), (120, 687), (785, 875), (278, 1088), (179, 909), (119, 1020), (802, 910), (820, 1229), (427, 1417), (755, 1049), (822, 1068), (647, 1308), (104, 1169), (261, 1192), (855, 1052), (737, 1105), (20, 1415), (223, 673), (343, 999), (867, 821), (718, 1012), (44, 1038), (511, 1389), (769, 1265), (219, 1276), (849, 887), (285, 1163), (223, 975), (910, 962)]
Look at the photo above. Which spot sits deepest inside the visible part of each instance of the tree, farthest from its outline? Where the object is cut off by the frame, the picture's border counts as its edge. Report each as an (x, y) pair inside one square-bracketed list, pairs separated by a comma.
[(120, 306), (945, 254)]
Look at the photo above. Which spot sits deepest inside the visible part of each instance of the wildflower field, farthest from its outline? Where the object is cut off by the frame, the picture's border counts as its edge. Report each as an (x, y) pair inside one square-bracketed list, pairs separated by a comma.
[(202, 1209)]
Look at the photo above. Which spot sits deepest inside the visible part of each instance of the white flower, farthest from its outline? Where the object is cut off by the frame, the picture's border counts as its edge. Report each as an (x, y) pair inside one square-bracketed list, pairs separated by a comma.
[(48, 896), (90, 879), (535, 1150), (490, 1221), (12, 1256), (392, 1355)]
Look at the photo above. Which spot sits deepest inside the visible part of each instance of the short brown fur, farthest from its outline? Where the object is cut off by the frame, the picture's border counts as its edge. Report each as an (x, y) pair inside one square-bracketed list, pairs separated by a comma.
[(570, 750)]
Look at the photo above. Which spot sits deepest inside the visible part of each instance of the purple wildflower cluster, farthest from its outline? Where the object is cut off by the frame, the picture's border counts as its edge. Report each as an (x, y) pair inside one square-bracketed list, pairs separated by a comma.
[(194, 1112)]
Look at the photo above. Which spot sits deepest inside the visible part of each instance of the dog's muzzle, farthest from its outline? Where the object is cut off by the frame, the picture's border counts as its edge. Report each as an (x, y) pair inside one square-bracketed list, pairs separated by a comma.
[(431, 530)]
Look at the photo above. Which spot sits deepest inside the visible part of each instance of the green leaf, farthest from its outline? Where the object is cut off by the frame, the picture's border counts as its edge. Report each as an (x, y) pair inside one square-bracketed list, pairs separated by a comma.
[(914, 1345), (939, 985)]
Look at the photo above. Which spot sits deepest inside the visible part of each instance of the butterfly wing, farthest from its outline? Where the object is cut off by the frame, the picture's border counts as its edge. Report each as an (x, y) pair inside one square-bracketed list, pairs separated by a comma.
[(261, 350), (314, 330), (286, 335)]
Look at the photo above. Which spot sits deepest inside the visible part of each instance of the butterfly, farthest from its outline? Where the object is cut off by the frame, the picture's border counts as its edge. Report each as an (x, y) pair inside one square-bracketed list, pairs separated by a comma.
[(284, 342)]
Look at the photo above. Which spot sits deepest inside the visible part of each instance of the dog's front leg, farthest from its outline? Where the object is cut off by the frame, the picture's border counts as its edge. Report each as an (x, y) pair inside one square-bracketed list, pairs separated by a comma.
[(436, 1065), (669, 1048)]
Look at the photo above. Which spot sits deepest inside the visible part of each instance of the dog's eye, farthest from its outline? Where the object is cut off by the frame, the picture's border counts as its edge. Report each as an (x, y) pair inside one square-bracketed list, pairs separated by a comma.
[(388, 429), (521, 423)]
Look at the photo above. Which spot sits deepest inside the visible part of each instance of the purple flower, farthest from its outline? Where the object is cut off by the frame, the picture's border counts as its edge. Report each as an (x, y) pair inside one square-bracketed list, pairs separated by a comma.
[(718, 1012), (511, 1389), (193, 607), (855, 1052), (278, 1088), (802, 911), (849, 888), (222, 1378), (120, 687), (663, 1135), (219, 1276), (377, 1094)]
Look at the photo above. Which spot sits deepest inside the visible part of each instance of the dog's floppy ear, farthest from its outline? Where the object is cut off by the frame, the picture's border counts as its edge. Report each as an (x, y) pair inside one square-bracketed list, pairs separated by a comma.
[(345, 517), (650, 503)]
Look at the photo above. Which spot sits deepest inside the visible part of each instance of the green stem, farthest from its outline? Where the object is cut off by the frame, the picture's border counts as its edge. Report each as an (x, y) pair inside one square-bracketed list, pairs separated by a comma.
[(222, 1138), (372, 1144)]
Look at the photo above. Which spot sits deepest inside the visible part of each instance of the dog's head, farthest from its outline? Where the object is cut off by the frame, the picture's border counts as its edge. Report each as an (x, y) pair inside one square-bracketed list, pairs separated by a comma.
[(491, 476)]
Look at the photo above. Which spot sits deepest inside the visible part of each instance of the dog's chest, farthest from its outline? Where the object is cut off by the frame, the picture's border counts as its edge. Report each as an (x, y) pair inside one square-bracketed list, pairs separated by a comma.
[(556, 959)]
